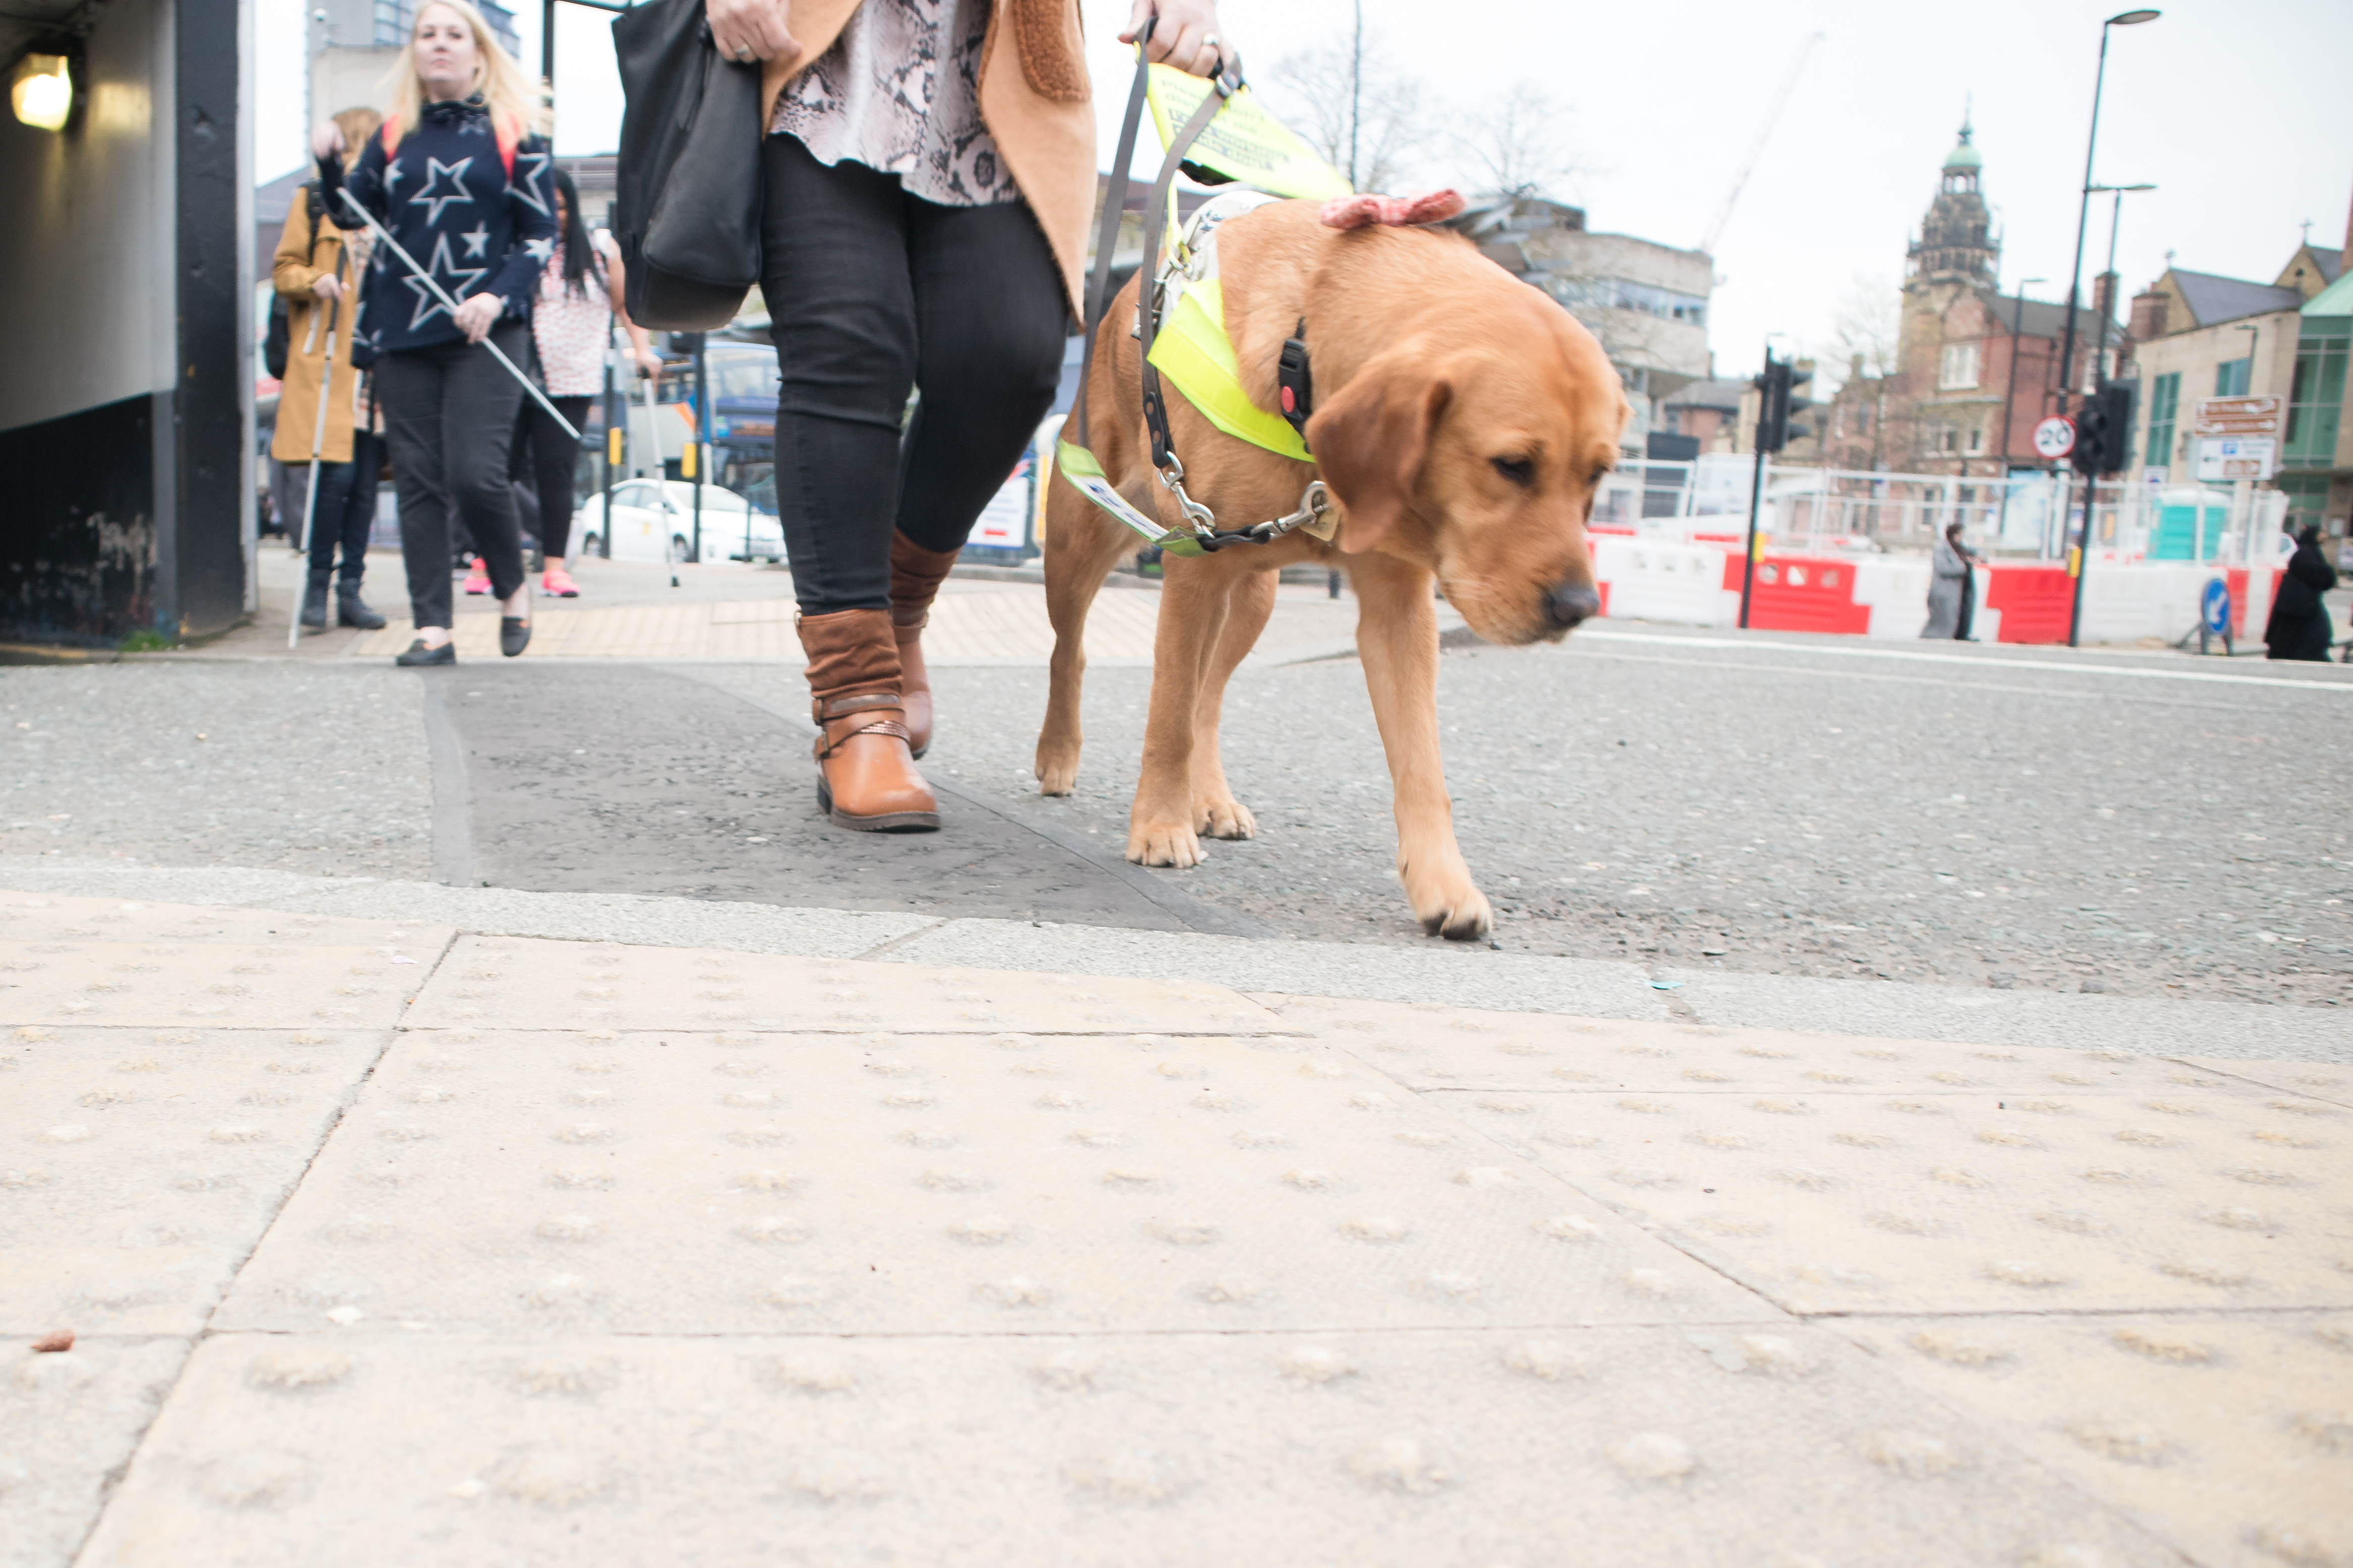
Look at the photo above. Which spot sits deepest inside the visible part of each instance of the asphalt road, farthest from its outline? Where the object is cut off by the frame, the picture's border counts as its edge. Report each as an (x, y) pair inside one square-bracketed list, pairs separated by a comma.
[(1766, 805)]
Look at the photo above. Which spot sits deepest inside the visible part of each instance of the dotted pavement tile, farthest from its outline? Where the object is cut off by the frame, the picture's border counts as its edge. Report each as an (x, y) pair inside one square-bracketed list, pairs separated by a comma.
[(138, 1167), (520, 983), (2231, 1436), (1017, 1183), (1851, 1203), (262, 985), (2299, 1081), (68, 1421), (1428, 1046), (40, 917), (1630, 1447)]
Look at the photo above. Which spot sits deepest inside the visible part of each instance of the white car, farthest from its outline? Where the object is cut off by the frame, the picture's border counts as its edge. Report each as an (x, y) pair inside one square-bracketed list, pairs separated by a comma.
[(654, 520)]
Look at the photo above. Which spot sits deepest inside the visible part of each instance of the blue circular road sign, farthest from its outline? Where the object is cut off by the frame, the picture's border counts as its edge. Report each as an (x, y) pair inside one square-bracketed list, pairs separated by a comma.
[(2214, 604)]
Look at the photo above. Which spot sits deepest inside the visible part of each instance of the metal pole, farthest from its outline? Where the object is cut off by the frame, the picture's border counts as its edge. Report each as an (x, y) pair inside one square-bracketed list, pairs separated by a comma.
[(310, 489), (547, 45), (702, 433), (614, 435), (2083, 550), (1755, 490), (2082, 217)]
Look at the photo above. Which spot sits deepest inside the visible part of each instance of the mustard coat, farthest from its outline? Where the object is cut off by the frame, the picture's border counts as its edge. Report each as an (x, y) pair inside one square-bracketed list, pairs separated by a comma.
[(299, 263), (1033, 98)]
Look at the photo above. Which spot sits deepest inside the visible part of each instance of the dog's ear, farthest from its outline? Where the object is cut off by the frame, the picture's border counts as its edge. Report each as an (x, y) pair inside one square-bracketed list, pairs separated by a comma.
[(1370, 440)]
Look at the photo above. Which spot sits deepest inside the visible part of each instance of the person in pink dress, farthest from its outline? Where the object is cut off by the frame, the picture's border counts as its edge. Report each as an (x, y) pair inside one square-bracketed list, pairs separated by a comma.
[(572, 317)]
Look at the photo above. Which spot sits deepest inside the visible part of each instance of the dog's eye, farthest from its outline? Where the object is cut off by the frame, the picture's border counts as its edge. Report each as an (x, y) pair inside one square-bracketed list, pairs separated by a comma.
[(1599, 475), (1519, 470)]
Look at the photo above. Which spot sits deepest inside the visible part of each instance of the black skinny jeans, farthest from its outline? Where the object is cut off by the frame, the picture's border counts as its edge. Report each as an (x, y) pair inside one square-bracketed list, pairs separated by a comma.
[(345, 513), (554, 459), (872, 292), (450, 418)]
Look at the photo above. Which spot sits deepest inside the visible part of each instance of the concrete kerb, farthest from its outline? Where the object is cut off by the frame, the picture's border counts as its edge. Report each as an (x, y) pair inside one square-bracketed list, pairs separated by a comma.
[(1447, 975)]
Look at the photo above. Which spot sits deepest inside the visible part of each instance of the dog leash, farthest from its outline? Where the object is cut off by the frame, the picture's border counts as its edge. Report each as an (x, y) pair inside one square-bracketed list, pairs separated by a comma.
[(1073, 459)]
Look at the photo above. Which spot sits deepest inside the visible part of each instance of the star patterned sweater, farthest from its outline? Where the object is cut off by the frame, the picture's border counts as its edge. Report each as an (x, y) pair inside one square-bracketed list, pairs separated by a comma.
[(445, 194)]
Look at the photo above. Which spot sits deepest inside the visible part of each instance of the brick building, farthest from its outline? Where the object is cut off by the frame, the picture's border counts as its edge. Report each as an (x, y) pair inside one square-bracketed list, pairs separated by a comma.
[(1974, 368)]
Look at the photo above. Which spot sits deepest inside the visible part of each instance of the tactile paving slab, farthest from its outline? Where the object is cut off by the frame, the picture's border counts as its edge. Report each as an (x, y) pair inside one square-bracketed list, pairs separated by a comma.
[(1011, 1183), (1434, 1047), (138, 1167), (38, 917), (2333, 1084), (517, 982), (1625, 1446), (68, 1421), (262, 985), (2231, 1436), (2214, 1195)]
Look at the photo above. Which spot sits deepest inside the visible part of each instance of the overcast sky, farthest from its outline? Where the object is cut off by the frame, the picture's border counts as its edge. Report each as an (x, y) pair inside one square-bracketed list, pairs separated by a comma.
[(2237, 112)]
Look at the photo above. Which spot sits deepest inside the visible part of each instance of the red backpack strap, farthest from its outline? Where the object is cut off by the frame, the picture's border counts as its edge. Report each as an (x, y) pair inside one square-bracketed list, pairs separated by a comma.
[(509, 132)]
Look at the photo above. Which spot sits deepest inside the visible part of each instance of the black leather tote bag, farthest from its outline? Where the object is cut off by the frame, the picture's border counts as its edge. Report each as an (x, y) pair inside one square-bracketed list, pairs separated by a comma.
[(687, 209)]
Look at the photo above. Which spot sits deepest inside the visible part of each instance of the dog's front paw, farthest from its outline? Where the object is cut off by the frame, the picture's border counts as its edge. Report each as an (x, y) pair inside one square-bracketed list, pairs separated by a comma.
[(1165, 844), (1057, 770), (1458, 913), (1226, 818)]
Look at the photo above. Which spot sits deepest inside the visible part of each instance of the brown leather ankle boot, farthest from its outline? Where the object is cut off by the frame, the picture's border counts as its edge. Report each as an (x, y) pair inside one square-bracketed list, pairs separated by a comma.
[(916, 577), (866, 777)]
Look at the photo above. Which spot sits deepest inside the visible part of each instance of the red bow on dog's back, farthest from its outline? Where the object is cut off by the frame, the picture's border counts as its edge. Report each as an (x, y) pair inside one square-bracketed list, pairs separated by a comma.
[(1393, 211)]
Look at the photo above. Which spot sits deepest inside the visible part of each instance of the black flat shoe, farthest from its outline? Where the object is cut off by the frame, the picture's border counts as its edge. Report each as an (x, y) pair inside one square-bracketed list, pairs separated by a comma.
[(514, 634), (417, 653)]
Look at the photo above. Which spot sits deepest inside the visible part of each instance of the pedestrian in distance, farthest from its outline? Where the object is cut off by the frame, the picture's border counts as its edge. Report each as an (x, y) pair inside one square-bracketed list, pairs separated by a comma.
[(1949, 588), (317, 271), (2299, 627), (459, 177), (572, 318), (924, 229)]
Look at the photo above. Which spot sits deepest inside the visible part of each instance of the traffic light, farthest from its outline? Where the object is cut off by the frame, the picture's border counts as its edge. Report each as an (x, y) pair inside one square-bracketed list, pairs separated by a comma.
[(1779, 382), (2103, 430)]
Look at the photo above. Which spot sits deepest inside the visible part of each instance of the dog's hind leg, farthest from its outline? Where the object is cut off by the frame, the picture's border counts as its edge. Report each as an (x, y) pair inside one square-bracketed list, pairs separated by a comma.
[(1216, 813), (1397, 638), (1082, 545)]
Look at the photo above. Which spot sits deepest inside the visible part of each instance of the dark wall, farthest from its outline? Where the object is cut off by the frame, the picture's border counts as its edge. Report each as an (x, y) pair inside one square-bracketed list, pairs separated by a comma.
[(78, 526), (122, 453)]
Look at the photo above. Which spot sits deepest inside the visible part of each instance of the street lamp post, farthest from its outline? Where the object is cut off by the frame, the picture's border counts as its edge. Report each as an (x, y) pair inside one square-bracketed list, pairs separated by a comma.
[(2083, 207), (2115, 221)]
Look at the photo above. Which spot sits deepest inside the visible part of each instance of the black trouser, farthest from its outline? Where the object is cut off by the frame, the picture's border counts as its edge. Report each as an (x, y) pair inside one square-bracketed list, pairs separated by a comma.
[(872, 291), (554, 459), (345, 513), (449, 416)]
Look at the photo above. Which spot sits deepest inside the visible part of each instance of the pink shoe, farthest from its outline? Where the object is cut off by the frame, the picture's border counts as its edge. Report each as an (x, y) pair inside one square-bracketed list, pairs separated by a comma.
[(478, 578), (557, 583)]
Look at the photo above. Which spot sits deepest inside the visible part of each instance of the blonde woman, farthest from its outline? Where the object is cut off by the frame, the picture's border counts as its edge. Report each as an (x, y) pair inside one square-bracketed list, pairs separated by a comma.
[(459, 176)]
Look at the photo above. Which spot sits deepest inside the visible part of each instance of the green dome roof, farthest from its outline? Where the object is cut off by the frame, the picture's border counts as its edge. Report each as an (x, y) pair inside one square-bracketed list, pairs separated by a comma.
[(1964, 156)]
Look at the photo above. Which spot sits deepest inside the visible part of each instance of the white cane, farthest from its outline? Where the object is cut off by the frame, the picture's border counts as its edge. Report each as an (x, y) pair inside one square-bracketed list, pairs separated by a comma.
[(450, 303), (311, 490)]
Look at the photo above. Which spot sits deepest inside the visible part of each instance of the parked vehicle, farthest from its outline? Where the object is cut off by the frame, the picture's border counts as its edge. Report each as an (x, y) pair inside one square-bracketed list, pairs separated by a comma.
[(655, 521)]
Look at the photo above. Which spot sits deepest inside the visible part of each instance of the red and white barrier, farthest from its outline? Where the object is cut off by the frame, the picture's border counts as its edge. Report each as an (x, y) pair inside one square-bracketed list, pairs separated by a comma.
[(1646, 578)]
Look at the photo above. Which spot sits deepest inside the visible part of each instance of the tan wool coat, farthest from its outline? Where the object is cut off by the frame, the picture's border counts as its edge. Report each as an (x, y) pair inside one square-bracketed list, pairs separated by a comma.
[(1033, 98), (299, 263)]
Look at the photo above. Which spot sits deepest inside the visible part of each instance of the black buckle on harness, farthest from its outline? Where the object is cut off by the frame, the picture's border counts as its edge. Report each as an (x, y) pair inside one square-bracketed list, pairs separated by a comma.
[(1296, 382)]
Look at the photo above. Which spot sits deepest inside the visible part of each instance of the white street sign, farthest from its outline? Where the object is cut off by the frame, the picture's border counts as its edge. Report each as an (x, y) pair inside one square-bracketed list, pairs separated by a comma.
[(2236, 458), (2054, 437)]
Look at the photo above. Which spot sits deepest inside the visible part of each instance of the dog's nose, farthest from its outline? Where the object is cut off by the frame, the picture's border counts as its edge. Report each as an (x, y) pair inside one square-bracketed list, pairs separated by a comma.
[(1570, 602)]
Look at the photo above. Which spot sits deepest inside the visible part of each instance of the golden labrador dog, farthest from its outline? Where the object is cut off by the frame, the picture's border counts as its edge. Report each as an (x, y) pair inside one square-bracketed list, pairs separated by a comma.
[(1462, 421)]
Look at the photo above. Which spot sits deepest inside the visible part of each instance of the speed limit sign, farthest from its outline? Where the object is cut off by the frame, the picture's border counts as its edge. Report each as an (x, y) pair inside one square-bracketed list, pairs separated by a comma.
[(2054, 437)]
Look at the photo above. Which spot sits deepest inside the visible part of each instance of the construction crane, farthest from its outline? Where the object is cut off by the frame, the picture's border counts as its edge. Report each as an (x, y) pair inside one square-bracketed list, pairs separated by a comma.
[(1756, 151)]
